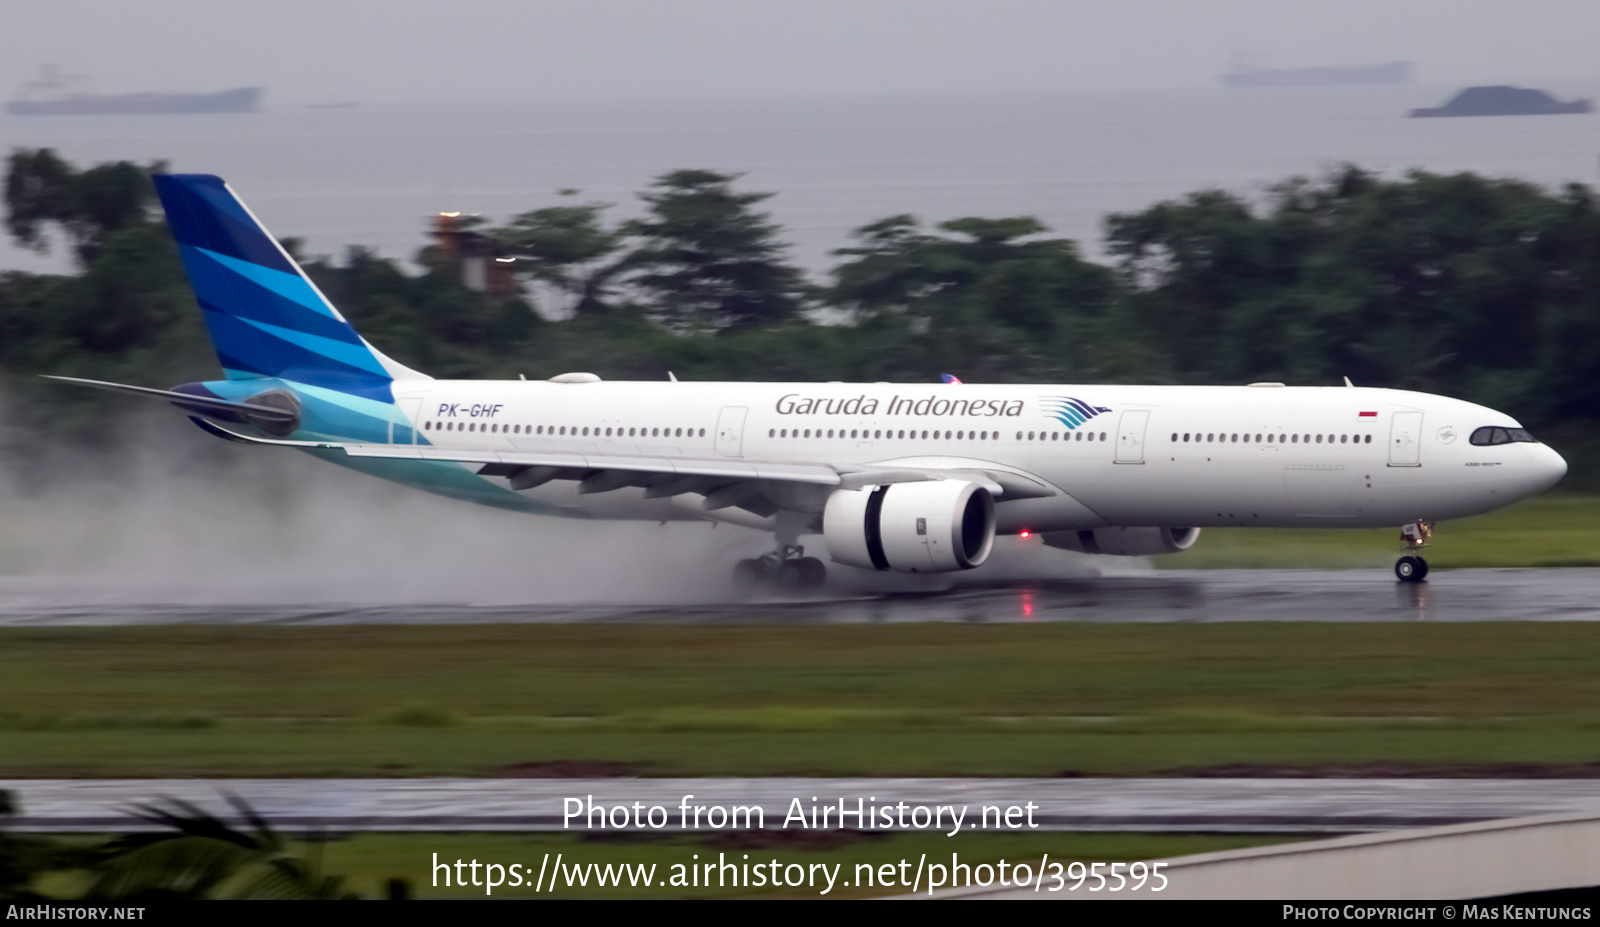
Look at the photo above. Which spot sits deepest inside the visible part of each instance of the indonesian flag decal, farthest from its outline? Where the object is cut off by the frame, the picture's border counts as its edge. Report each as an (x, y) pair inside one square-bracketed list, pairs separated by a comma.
[(1368, 415)]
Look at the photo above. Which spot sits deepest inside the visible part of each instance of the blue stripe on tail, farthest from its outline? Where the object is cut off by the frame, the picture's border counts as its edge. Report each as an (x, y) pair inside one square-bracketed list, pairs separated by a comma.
[(265, 317)]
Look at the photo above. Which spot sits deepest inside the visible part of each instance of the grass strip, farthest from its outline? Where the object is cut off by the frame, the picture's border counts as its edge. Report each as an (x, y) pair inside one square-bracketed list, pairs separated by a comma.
[(936, 699)]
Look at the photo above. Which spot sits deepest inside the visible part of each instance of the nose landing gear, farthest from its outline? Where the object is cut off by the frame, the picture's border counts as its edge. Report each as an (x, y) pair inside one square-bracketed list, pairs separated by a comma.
[(786, 568), (1411, 568)]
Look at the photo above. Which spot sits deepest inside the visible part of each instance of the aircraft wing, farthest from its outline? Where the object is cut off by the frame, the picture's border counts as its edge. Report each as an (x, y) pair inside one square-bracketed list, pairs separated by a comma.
[(747, 484)]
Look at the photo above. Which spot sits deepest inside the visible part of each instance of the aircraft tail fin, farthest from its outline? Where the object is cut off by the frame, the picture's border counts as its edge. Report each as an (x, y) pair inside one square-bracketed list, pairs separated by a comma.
[(265, 316)]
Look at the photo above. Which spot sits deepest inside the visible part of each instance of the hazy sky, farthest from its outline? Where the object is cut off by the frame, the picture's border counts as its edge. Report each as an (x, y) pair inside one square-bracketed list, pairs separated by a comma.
[(370, 51)]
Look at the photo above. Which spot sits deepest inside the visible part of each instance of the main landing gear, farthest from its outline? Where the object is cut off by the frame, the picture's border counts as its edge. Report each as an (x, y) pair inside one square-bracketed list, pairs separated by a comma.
[(787, 568), (1411, 568)]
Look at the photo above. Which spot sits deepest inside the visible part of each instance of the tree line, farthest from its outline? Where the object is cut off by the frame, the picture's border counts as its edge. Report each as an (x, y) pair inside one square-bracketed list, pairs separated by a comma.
[(1482, 288)]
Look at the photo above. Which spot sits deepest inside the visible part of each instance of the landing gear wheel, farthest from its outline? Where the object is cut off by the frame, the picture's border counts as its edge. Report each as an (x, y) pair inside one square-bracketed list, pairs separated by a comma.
[(748, 574), (1411, 569), (792, 574), (812, 573)]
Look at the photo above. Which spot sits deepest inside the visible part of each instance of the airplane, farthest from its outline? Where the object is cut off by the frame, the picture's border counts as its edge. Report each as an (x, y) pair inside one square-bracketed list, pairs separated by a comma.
[(911, 478)]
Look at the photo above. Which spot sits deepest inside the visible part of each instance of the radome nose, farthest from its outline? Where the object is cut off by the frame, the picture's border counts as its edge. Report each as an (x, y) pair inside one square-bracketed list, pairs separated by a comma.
[(1553, 464)]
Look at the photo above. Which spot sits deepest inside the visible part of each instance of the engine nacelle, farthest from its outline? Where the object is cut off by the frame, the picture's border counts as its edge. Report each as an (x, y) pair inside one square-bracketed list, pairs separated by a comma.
[(935, 526), (1124, 542)]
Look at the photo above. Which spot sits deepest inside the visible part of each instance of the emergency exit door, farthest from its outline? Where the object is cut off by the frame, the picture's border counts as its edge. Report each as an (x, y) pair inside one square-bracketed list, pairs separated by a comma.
[(730, 431), (1405, 440), (1130, 436)]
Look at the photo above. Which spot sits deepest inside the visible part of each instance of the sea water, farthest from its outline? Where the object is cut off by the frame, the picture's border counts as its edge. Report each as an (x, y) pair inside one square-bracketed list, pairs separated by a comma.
[(373, 175)]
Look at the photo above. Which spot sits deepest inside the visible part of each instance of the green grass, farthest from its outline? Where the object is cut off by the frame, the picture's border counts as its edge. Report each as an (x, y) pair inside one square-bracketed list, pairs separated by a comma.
[(937, 699), (1549, 531)]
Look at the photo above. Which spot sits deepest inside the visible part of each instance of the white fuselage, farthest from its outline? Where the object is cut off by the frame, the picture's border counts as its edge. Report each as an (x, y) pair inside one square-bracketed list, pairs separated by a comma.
[(1187, 456)]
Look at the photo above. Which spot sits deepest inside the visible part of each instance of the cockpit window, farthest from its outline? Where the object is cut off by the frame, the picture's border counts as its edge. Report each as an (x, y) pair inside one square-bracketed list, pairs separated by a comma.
[(1490, 435)]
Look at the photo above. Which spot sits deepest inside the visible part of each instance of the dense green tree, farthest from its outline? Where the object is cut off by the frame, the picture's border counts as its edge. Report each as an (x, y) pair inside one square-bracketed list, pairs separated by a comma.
[(706, 260), (567, 247), (88, 206), (1450, 284), (992, 298)]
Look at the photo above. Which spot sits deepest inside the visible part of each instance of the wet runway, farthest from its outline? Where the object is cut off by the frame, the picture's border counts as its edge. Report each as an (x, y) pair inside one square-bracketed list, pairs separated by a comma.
[(1236, 805), (1149, 596)]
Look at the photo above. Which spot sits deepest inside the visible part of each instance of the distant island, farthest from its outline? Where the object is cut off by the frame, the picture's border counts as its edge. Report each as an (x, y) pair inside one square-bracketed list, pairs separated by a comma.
[(54, 94), (1505, 101), (1244, 72)]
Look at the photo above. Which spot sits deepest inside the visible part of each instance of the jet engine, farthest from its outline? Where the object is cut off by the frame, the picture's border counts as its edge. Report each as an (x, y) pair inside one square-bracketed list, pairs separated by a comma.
[(1124, 542), (935, 526)]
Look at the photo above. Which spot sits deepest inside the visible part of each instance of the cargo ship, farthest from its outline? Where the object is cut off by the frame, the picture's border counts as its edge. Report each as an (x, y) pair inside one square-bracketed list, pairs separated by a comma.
[(1244, 73), (54, 95)]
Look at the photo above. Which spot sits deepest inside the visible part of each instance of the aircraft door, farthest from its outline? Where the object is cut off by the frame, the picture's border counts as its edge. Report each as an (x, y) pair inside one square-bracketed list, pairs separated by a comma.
[(404, 431), (1130, 436), (730, 431), (1405, 440)]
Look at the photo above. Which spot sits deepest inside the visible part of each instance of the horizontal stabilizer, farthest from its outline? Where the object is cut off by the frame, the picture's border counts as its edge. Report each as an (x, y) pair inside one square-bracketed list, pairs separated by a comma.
[(189, 401)]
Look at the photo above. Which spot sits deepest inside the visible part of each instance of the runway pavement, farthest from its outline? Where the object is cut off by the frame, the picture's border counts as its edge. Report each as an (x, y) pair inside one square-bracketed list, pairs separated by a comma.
[(1166, 805), (1148, 596)]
